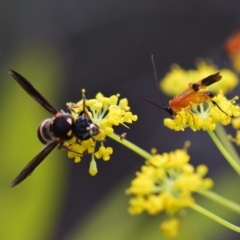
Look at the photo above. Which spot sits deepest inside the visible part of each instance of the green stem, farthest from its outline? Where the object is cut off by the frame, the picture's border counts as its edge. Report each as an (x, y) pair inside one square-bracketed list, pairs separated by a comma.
[(222, 135), (224, 152), (131, 146), (220, 200), (215, 217)]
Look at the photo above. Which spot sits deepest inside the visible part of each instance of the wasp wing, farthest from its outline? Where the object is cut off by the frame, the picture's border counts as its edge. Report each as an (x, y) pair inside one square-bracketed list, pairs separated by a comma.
[(34, 163), (209, 80), (28, 87), (195, 87)]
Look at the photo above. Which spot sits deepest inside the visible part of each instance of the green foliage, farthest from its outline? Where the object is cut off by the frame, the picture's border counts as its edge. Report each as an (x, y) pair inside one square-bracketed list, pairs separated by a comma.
[(29, 210)]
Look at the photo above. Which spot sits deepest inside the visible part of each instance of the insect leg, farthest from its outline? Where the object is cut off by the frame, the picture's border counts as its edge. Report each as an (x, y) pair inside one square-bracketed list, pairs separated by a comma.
[(209, 95), (189, 111), (60, 146)]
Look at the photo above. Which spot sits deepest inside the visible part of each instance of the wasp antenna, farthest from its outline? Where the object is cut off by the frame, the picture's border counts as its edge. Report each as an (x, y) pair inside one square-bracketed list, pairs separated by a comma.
[(84, 99), (156, 81), (144, 99)]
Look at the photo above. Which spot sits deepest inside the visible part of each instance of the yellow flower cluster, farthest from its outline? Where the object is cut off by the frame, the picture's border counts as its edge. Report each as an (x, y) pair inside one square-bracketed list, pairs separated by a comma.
[(166, 183), (170, 227), (205, 116), (177, 80), (105, 112)]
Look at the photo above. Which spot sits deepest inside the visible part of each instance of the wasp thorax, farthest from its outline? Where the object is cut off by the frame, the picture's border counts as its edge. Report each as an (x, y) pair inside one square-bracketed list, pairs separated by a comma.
[(61, 127), (84, 128)]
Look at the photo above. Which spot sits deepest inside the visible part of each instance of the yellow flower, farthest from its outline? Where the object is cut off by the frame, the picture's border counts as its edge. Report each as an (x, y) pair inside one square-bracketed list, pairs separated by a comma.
[(105, 113), (205, 116), (166, 183), (79, 149), (170, 227), (177, 80), (104, 153), (236, 123)]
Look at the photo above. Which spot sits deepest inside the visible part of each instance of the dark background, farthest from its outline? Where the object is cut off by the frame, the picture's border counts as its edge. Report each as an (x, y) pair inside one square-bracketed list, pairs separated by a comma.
[(106, 46)]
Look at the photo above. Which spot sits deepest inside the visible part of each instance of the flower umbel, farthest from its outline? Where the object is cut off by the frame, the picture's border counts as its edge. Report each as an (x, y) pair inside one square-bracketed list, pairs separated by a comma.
[(105, 113), (195, 106), (206, 115), (165, 184)]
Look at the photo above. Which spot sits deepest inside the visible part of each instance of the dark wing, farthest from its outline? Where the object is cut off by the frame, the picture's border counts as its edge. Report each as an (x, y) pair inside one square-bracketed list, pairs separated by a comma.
[(210, 79), (33, 164), (28, 87), (195, 87)]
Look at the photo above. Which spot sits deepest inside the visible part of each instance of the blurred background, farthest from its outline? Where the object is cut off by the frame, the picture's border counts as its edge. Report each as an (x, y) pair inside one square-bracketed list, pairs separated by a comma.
[(102, 46)]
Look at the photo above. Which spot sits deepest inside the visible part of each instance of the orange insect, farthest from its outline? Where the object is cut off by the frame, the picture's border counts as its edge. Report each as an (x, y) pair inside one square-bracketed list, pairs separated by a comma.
[(232, 45), (232, 49), (196, 93)]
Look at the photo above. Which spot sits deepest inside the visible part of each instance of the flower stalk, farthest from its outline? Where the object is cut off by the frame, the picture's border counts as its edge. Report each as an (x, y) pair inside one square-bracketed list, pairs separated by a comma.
[(144, 154), (220, 200), (234, 164), (214, 217)]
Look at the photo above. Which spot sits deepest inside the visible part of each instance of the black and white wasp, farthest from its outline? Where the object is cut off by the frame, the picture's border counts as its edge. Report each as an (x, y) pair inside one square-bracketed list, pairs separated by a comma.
[(54, 131)]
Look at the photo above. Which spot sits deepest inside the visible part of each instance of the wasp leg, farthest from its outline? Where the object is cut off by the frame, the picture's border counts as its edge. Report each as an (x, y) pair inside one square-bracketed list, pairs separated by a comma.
[(209, 95), (189, 111), (61, 146), (177, 114)]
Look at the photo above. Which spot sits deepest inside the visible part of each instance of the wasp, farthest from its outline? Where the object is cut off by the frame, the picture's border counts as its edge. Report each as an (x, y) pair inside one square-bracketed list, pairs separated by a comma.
[(56, 130), (196, 93)]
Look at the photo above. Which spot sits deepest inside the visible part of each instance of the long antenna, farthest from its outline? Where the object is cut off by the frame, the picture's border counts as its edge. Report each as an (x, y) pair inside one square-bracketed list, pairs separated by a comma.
[(144, 99), (168, 109), (156, 81)]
